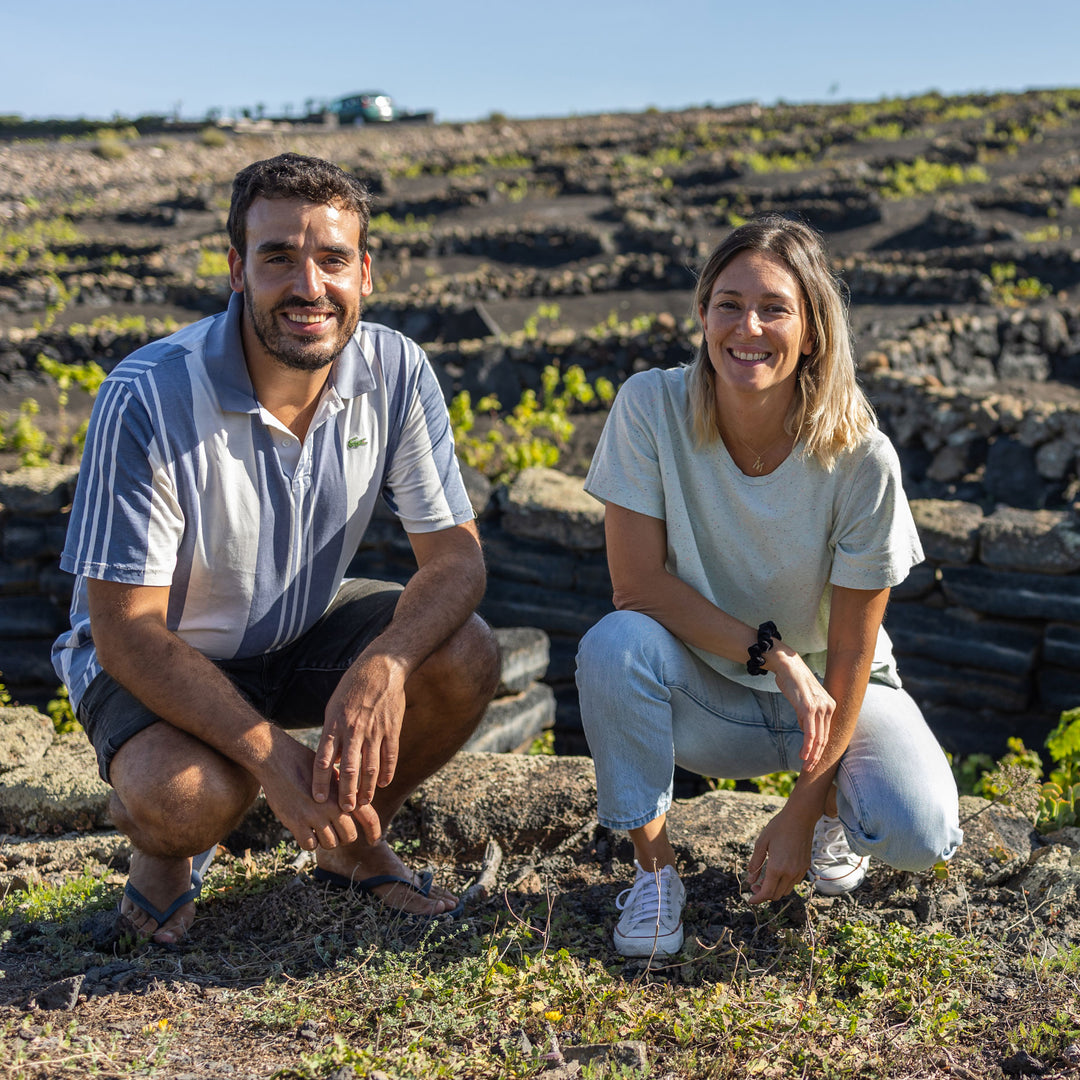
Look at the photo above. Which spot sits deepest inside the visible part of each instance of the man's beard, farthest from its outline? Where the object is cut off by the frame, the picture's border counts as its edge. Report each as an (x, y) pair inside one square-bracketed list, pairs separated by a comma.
[(293, 353)]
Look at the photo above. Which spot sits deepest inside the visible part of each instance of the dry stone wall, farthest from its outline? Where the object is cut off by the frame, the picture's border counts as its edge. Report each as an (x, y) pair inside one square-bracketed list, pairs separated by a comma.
[(987, 630)]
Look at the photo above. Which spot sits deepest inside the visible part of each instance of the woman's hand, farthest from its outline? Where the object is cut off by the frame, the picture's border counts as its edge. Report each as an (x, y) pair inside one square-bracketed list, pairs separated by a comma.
[(781, 855), (813, 704)]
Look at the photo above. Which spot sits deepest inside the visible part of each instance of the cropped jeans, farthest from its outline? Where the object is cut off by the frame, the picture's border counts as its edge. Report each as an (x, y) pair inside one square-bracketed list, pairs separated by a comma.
[(649, 703)]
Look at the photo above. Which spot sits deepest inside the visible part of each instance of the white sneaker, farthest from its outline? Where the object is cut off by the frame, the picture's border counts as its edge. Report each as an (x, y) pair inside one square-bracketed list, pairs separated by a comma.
[(651, 921), (834, 868)]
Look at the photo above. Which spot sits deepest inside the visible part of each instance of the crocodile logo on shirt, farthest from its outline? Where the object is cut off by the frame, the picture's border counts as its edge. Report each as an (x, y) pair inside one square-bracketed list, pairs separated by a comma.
[(356, 441)]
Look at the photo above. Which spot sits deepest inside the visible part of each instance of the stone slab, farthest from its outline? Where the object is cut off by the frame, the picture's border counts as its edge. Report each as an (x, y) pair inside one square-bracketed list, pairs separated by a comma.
[(1050, 597), (927, 680), (524, 802), (948, 637), (1059, 689), (27, 662), (524, 653), (1061, 645), (29, 616), (511, 722), (918, 584)]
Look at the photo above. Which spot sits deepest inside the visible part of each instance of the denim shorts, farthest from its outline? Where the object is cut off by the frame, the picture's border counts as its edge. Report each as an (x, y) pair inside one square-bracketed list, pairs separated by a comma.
[(289, 686)]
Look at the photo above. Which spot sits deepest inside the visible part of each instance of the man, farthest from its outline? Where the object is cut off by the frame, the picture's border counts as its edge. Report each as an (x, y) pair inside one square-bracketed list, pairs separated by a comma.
[(230, 471)]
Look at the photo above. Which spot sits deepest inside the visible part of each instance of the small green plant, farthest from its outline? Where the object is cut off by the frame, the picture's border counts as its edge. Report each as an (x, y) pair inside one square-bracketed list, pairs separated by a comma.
[(777, 783), (533, 432), (5, 697), (1014, 291), (213, 137), (514, 192), (385, 224), (1048, 233), (549, 313), (1015, 778), (41, 902), (921, 177), (543, 745), (29, 440), (1060, 797), (87, 377), (212, 263), (60, 712), (108, 147)]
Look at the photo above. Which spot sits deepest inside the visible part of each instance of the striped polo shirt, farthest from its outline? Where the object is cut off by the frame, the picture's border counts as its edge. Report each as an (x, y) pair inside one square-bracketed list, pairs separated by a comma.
[(187, 481)]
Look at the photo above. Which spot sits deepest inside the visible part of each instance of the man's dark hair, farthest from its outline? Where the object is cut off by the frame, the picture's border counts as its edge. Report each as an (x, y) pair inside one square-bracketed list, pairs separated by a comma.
[(294, 176)]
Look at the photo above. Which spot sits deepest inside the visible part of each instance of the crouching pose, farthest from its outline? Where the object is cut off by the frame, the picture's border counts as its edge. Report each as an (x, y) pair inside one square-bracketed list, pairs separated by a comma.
[(230, 472), (755, 523)]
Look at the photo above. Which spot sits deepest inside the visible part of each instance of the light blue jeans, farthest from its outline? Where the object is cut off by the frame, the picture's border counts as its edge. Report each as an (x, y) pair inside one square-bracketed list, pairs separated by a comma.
[(649, 703)]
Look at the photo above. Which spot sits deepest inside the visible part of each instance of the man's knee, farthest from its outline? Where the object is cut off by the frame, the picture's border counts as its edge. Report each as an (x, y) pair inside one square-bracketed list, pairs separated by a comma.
[(464, 670), (182, 801)]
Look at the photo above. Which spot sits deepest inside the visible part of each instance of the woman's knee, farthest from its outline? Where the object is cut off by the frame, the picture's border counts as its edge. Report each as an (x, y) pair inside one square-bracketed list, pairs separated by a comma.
[(618, 642), (912, 833)]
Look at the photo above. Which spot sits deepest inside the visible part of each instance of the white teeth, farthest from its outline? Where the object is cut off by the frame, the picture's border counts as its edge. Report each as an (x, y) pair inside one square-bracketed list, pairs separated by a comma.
[(308, 318), (749, 355)]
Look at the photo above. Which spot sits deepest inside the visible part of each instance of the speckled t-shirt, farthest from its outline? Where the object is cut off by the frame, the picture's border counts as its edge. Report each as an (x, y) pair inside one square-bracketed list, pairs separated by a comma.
[(759, 547)]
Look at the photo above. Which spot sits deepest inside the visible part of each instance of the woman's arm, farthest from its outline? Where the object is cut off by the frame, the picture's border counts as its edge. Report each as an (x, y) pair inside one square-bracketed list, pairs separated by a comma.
[(854, 619), (637, 554)]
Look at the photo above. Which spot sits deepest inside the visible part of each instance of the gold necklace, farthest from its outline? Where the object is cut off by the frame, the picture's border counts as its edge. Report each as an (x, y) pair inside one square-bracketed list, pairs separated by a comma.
[(759, 462)]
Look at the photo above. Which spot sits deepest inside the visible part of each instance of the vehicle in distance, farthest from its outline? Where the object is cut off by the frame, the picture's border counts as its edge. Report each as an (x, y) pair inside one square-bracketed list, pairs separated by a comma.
[(374, 107)]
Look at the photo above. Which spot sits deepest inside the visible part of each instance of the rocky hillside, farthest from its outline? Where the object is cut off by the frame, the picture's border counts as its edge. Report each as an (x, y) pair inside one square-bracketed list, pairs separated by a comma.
[(503, 245)]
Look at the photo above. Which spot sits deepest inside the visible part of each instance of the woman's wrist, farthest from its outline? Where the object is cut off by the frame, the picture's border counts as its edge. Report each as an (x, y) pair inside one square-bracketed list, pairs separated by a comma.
[(767, 638)]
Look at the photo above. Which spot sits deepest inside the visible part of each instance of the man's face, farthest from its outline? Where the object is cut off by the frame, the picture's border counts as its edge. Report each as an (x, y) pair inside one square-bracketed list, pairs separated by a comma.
[(303, 280)]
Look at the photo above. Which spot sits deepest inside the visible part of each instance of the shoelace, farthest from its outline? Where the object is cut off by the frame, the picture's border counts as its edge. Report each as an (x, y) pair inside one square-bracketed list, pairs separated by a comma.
[(831, 845), (646, 898)]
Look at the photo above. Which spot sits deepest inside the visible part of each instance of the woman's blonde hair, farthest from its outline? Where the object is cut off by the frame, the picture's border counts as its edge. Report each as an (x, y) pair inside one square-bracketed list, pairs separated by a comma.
[(829, 412)]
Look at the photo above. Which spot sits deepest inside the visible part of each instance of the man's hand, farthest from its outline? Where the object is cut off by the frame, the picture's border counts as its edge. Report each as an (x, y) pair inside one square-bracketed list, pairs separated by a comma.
[(781, 855), (361, 733), (286, 780)]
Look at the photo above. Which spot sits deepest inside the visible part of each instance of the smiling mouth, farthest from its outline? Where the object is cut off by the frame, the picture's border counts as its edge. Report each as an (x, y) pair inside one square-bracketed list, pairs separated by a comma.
[(751, 357), (308, 320)]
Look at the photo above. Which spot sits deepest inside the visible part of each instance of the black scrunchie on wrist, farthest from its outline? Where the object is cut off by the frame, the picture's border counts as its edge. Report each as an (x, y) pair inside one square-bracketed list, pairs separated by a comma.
[(765, 634)]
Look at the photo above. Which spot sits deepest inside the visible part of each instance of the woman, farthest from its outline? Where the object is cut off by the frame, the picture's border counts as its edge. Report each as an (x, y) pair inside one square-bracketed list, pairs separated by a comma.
[(755, 523)]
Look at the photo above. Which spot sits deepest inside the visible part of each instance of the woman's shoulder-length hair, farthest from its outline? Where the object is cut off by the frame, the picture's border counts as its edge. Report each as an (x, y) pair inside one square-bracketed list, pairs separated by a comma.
[(829, 413)]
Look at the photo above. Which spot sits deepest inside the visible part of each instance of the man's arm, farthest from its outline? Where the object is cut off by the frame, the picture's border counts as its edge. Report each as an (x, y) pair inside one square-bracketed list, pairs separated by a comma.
[(364, 716), (187, 690)]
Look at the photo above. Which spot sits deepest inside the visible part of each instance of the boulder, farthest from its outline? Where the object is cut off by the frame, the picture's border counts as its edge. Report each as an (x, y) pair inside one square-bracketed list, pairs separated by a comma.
[(1035, 541), (59, 792), (25, 736), (949, 531), (44, 489), (523, 802), (544, 504)]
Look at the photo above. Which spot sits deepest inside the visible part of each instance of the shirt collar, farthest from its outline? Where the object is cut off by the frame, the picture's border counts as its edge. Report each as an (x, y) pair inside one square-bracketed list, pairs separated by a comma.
[(352, 373)]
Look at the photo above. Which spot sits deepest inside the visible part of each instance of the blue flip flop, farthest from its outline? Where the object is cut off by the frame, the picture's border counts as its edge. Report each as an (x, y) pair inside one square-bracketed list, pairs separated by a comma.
[(199, 865), (367, 887)]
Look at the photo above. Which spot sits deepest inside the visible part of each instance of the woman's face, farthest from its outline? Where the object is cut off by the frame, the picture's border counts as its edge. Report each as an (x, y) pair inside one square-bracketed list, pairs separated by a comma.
[(755, 326)]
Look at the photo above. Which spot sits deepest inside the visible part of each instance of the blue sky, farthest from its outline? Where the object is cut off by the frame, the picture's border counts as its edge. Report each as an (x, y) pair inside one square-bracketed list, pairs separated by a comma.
[(466, 58)]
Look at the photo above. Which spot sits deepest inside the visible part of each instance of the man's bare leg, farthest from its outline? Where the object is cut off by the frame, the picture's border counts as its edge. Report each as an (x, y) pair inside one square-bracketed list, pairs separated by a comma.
[(173, 796), (446, 699)]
